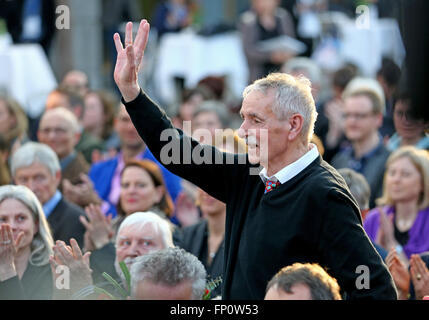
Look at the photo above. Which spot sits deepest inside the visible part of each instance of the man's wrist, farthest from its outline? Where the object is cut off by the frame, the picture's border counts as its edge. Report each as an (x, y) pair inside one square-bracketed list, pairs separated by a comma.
[(131, 93)]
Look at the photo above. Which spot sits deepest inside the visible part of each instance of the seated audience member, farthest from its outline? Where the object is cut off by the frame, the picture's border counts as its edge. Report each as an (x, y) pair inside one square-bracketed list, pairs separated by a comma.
[(74, 102), (98, 116), (265, 20), (388, 76), (25, 246), (106, 174), (142, 189), (13, 123), (59, 129), (169, 274), (410, 129), (4, 167), (402, 219), (139, 234), (363, 116), (303, 281), (361, 191), (330, 123), (412, 283), (36, 166), (205, 239), (76, 81)]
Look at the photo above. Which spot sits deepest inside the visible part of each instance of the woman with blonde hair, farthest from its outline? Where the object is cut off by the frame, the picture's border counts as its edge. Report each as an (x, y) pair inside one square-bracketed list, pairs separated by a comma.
[(25, 246), (13, 122), (402, 219)]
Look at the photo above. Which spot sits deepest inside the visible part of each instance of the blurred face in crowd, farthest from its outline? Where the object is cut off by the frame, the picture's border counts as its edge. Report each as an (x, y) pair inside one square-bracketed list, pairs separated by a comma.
[(207, 120), (57, 132), (93, 115), (57, 99), (38, 179), (138, 191), (403, 181), (126, 130), (299, 292), (405, 124), (360, 120), (259, 120), (188, 107), (19, 217), (7, 120), (264, 7), (209, 205), (76, 81), (149, 290), (137, 240)]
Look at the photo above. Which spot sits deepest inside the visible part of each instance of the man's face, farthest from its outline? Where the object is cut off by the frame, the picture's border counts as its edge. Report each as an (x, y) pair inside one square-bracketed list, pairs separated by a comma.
[(57, 99), (136, 240), (299, 292), (126, 130), (360, 120), (148, 290), (39, 179), (260, 125), (406, 125), (57, 132)]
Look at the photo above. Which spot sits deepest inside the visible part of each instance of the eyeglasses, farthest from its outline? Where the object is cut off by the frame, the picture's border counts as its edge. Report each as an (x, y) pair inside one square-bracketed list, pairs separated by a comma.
[(357, 116), (56, 131), (405, 115)]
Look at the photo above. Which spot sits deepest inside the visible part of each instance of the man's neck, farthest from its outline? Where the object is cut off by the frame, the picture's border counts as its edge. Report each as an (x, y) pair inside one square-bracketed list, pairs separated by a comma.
[(130, 153), (364, 146), (216, 224), (293, 153), (410, 141)]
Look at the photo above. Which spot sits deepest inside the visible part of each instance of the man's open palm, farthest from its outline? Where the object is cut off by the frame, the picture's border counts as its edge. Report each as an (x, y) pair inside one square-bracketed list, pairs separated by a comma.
[(130, 58)]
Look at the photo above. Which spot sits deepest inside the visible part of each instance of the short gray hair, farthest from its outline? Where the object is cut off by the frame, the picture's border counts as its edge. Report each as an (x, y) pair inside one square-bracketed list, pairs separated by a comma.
[(140, 219), (217, 107), (34, 152), (170, 267), (292, 96), (309, 66), (41, 246), (358, 186), (66, 115)]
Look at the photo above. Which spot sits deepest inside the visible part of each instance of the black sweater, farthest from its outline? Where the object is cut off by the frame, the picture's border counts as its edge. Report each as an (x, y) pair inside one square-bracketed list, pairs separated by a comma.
[(310, 218)]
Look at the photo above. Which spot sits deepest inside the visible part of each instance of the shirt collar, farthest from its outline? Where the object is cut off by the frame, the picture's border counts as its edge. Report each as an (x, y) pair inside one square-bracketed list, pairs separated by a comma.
[(294, 168), (50, 205)]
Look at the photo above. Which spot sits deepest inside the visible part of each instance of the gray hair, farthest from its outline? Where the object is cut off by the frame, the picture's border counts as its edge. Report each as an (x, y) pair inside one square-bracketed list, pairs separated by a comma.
[(311, 68), (33, 152), (217, 107), (322, 286), (41, 246), (358, 186), (67, 115), (170, 267), (140, 219), (367, 87), (292, 96)]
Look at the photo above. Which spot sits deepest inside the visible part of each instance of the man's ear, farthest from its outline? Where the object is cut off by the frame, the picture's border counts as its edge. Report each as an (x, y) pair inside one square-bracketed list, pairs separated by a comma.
[(76, 138), (296, 122), (58, 178), (379, 120)]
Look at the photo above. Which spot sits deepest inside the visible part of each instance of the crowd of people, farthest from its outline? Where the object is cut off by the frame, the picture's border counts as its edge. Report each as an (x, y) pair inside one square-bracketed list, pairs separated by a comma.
[(345, 182)]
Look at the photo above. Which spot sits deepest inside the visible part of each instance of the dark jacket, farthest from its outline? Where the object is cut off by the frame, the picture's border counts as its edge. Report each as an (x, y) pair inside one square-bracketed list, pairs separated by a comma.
[(65, 224)]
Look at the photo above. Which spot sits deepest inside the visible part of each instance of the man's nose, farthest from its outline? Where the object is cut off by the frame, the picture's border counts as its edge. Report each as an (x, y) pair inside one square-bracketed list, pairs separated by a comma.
[(242, 131)]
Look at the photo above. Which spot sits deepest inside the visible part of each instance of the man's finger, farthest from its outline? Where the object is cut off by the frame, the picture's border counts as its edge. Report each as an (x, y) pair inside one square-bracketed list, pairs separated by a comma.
[(129, 34), (142, 43), (118, 43), (76, 250), (131, 58)]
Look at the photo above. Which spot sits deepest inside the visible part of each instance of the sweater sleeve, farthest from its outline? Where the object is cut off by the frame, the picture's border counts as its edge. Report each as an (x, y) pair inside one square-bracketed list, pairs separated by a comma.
[(11, 289), (349, 255), (203, 165)]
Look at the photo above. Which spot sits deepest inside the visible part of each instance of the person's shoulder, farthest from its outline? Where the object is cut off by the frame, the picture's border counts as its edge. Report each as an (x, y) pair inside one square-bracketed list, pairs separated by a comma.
[(282, 13), (70, 208), (372, 215), (248, 17), (101, 165)]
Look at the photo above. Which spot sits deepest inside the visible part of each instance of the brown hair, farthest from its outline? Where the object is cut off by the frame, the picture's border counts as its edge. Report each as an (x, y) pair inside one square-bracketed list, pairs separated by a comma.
[(108, 101), (16, 111), (165, 204)]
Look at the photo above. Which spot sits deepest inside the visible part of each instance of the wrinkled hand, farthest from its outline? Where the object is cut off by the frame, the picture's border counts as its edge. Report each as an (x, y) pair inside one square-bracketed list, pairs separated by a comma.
[(99, 227), (419, 276), (8, 252), (81, 194), (72, 258), (399, 273), (129, 60), (386, 236)]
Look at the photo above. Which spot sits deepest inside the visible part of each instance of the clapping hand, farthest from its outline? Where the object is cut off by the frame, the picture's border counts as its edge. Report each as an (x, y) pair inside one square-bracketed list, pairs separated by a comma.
[(8, 249), (129, 59), (400, 274), (81, 194), (386, 236), (98, 229), (419, 276)]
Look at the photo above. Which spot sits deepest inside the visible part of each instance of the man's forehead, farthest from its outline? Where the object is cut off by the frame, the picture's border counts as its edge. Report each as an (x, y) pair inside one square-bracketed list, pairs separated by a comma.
[(257, 102), (146, 230)]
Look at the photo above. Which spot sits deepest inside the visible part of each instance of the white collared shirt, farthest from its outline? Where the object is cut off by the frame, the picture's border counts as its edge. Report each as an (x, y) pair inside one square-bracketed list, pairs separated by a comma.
[(292, 169)]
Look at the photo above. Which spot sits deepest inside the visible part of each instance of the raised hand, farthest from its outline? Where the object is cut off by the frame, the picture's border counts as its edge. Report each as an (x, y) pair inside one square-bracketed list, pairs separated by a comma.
[(8, 252), (99, 227), (129, 59)]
